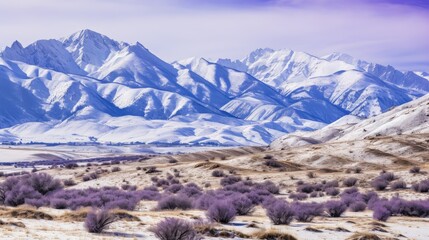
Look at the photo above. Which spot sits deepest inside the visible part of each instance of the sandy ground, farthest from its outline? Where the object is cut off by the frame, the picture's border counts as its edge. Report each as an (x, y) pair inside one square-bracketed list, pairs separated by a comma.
[(328, 161)]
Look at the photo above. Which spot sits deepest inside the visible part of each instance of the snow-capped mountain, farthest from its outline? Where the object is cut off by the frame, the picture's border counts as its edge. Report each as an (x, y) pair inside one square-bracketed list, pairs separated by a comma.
[(88, 86)]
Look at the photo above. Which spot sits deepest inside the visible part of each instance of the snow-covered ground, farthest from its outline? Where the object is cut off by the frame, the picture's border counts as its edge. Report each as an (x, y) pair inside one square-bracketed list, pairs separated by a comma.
[(39, 152)]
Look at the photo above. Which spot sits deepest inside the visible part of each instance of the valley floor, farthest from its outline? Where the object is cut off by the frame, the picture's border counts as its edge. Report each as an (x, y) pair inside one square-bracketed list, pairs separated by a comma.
[(329, 161)]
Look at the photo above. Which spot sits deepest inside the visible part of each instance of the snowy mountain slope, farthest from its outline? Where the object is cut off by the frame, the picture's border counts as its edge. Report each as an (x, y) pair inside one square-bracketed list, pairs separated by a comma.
[(410, 118), (88, 86), (356, 86)]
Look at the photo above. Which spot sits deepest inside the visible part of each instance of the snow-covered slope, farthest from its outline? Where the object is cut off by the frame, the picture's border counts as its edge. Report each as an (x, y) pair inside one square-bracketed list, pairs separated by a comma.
[(88, 86), (410, 118)]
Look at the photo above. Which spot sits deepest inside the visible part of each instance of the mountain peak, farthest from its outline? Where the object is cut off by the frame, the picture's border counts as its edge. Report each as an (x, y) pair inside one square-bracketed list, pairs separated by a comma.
[(90, 49), (17, 45)]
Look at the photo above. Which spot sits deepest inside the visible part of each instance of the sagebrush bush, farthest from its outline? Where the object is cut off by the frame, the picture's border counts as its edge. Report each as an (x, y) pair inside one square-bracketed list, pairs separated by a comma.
[(332, 191), (358, 206), (381, 213), (116, 169), (221, 211), (174, 229), (298, 196), (387, 176), (69, 182), (269, 186), (335, 208), (174, 202), (242, 204), (305, 188), (228, 180), (280, 213), (98, 221), (218, 173), (330, 184), (350, 182), (398, 185), (422, 186), (174, 188), (305, 212), (379, 184)]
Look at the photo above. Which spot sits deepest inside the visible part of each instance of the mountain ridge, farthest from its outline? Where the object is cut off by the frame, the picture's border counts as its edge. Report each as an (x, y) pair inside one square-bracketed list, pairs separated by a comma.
[(91, 80)]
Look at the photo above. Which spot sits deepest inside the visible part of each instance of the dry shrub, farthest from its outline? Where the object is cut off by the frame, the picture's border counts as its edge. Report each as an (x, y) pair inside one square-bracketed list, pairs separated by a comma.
[(16, 224), (124, 216), (207, 229), (364, 236), (27, 213), (75, 216), (273, 234)]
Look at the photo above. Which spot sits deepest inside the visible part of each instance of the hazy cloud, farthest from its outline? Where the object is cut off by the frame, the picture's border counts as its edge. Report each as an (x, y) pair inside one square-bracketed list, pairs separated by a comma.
[(385, 31)]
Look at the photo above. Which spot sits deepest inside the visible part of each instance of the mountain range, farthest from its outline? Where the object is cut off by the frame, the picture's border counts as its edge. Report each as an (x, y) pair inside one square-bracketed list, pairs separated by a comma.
[(88, 87)]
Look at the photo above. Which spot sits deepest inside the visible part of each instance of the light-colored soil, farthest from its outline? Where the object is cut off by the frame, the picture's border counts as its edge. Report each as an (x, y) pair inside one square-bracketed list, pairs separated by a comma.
[(328, 161)]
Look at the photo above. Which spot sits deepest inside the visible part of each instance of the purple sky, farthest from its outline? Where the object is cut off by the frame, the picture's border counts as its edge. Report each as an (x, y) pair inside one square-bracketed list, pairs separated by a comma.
[(384, 31)]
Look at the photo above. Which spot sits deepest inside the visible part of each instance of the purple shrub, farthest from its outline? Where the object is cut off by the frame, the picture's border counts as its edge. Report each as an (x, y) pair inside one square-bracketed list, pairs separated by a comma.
[(350, 182), (228, 180), (242, 204), (421, 187), (98, 221), (398, 185), (258, 196), (279, 212), (17, 196), (162, 183), (218, 173), (298, 196), (174, 229), (330, 184), (221, 212), (43, 183), (191, 191), (388, 176), (332, 191), (358, 206), (37, 203), (305, 212), (174, 202), (381, 213), (335, 208), (59, 203), (205, 201), (174, 188), (269, 186), (305, 188), (69, 182), (239, 187), (149, 195), (350, 190), (379, 184)]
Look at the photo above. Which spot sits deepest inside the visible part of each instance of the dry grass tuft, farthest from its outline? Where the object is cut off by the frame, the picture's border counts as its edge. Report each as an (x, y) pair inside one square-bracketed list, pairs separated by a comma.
[(74, 216), (209, 230), (16, 224), (25, 212), (364, 236), (273, 234)]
